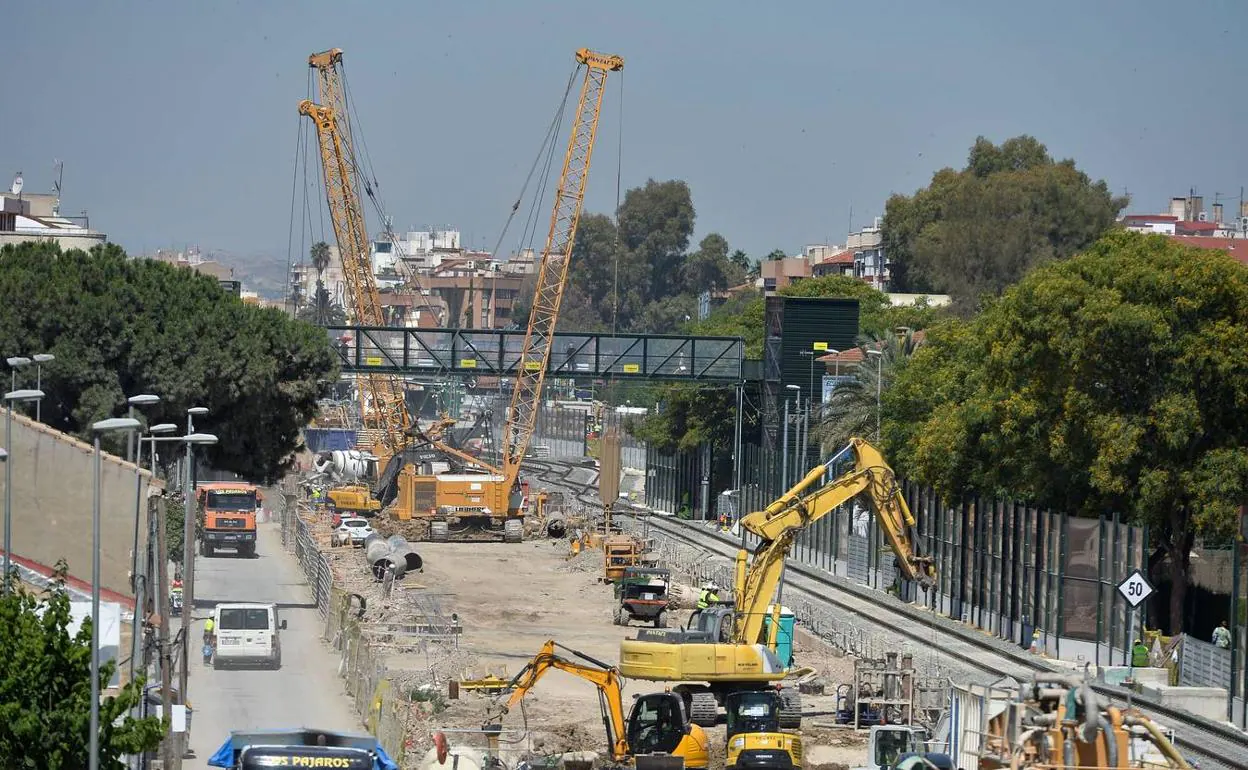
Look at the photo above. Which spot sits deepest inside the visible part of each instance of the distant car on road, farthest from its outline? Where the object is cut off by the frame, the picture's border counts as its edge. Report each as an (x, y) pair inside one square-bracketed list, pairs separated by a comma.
[(353, 531)]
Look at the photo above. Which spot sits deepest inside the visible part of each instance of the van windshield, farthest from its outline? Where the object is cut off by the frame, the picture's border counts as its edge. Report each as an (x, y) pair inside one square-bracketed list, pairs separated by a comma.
[(244, 619)]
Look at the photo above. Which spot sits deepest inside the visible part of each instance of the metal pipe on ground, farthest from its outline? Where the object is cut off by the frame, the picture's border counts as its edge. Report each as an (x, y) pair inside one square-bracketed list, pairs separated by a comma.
[(402, 549), (382, 559), (556, 527)]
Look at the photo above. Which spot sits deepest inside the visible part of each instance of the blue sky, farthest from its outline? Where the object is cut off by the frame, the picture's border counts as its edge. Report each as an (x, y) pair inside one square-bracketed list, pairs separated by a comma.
[(177, 121)]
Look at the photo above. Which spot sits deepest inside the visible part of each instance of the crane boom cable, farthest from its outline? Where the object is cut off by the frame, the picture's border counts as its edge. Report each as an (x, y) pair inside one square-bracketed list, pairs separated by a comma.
[(551, 132), (529, 233), (373, 191), (615, 253)]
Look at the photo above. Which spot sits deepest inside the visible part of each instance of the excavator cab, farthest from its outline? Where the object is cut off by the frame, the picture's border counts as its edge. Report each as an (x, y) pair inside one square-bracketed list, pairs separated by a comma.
[(755, 740), (753, 711), (657, 724)]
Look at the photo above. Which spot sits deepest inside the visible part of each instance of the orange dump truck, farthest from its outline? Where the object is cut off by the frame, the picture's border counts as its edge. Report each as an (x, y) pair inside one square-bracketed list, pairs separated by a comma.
[(228, 517)]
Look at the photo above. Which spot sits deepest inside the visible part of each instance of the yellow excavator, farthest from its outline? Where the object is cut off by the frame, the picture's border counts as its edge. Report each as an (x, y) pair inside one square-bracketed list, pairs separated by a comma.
[(725, 649), (657, 725)]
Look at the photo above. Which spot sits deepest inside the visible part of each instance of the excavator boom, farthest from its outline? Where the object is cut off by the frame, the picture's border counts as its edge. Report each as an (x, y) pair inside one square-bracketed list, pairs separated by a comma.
[(605, 678), (808, 501)]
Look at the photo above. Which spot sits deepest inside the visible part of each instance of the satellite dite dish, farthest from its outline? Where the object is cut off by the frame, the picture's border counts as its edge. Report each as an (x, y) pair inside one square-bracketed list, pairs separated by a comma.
[(16, 189)]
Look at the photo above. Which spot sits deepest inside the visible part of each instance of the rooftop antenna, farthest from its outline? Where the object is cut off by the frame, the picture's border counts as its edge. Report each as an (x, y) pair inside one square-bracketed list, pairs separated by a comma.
[(16, 188), (59, 165)]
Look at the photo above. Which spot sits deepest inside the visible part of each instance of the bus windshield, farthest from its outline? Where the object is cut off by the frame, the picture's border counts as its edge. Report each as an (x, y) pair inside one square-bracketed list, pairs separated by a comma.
[(324, 757), (232, 501)]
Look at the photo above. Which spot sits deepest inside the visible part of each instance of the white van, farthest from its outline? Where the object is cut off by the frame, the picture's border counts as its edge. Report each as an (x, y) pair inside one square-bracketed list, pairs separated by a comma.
[(247, 634)]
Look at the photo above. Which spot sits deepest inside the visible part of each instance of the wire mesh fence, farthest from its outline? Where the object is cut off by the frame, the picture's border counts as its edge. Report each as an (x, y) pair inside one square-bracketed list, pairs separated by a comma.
[(362, 667)]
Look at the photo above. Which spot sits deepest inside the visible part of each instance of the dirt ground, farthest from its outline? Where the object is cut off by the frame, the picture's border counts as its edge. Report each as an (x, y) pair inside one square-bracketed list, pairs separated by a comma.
[(511, 599)]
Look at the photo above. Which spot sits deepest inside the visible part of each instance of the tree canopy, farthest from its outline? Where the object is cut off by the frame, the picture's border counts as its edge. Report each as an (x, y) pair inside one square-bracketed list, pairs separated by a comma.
[(636, 273), (1113, 381), (974, 232), (45, 689), (119, 327)]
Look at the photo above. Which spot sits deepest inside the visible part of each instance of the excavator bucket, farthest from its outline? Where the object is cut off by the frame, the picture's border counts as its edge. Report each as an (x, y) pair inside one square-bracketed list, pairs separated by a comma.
[(659, 762)]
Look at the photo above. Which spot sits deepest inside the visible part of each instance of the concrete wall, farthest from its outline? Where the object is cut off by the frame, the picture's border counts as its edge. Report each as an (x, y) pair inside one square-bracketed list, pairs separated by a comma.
[(53, 485)]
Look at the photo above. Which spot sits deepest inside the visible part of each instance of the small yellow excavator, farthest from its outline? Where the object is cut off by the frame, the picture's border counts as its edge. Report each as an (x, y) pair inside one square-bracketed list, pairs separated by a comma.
[(657, 725), (726, 649)]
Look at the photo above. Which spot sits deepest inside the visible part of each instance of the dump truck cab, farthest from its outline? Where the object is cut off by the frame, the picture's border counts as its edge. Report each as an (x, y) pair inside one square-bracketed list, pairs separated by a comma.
[(228, 517)]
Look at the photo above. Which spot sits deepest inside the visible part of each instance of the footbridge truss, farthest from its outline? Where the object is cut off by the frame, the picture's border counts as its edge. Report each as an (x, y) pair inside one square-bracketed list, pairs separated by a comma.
[(580, 355)]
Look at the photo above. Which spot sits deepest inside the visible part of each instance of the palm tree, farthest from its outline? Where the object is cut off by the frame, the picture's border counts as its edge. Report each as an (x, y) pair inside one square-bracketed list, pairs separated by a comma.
[(320, 257), (852, 408), (320, 260)]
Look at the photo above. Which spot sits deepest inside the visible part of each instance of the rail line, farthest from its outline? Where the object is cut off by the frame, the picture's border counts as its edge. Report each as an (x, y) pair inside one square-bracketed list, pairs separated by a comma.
[(1213, 745)]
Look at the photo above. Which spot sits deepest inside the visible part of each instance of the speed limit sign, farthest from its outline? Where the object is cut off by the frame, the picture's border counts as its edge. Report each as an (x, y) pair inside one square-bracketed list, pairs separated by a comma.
[(1135, 589)]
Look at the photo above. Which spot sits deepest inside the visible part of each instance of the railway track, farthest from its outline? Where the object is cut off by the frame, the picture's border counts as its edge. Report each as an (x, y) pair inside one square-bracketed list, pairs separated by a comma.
[(978, 657)]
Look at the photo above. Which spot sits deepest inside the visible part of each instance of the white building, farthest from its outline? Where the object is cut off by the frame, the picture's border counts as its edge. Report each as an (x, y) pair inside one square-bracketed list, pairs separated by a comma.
[(28, 217), (870, 262)]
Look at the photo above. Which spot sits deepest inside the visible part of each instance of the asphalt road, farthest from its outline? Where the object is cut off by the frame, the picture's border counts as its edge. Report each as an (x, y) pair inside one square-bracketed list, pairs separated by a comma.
[(305, 692)]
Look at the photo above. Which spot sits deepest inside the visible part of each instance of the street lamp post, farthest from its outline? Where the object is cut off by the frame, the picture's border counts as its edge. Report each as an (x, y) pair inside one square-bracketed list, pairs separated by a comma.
[(145, 399), (784, 449), (15, 363), (141, 583), (188, 548), (10, 398), (103, 426), (879, 379), (40, 360), (132, 441)]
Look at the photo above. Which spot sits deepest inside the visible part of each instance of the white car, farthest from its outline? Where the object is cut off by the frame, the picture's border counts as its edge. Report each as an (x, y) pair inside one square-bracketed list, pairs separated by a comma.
[(353, 531)]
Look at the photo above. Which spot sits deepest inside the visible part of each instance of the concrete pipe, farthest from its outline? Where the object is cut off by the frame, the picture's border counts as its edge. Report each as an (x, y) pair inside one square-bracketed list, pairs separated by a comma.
[(411, 560), (556, 527), (381, 558)]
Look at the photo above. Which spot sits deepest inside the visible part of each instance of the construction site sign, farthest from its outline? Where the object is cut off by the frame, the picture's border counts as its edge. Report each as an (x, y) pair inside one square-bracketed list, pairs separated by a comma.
[(609, 466)]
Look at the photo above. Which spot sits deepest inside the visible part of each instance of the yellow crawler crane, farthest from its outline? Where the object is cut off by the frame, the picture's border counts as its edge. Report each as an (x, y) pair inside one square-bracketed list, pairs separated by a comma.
[(476, 500), (723, 650)]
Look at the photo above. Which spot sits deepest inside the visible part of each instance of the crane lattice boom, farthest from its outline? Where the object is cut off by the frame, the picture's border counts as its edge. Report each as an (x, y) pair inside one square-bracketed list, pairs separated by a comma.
[(552, 271), (384, 406)]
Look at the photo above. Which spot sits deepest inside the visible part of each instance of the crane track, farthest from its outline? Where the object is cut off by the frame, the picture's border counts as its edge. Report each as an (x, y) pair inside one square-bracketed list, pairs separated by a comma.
[(1214, 745)]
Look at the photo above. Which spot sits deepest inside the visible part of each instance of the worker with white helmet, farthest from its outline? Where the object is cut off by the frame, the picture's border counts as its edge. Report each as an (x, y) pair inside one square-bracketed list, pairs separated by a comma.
[(708, 595)]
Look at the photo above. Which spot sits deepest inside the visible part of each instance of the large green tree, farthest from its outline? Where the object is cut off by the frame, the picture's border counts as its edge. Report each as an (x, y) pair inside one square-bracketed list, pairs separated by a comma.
[(119, 327), (1113, 381), (693, 415), (45, 689), (974, 232)]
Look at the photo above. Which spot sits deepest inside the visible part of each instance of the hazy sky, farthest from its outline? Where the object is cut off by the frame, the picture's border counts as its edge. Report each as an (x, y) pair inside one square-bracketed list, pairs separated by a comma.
[(177, 122)]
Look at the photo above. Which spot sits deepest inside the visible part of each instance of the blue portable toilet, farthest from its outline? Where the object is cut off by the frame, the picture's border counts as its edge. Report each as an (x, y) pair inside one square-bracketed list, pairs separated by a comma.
[(784, 637)]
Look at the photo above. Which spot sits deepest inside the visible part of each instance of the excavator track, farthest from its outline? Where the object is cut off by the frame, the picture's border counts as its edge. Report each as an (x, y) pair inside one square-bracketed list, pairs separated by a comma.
[(704, 709), (513, 531), (790, 708)]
